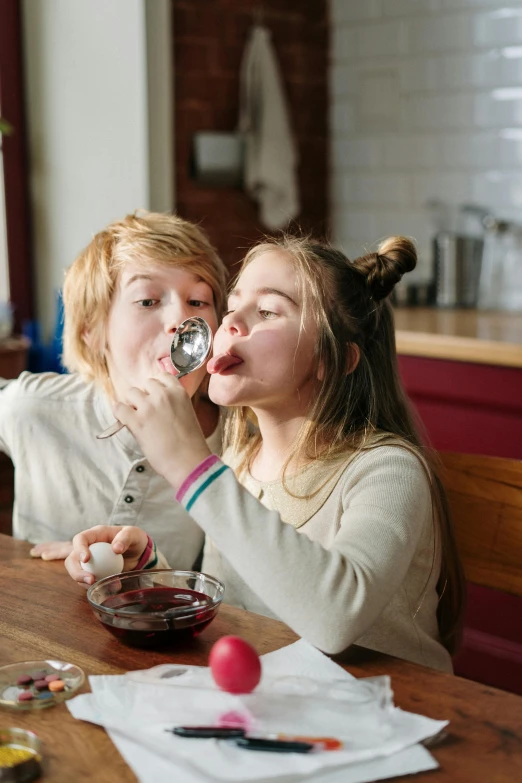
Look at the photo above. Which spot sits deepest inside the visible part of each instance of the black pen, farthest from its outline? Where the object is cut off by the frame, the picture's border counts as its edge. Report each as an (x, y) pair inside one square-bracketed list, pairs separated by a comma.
[(274, 745), (207, 732), (242, 740)]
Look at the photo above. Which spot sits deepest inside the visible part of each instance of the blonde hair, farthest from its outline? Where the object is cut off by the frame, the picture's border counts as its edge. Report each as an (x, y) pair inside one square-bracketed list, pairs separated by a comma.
[(367, 407), (143, 237)]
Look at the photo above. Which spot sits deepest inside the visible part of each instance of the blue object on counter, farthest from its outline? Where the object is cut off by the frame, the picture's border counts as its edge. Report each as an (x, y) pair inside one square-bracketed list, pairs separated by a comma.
[(42, 357), (56, 347), (37, 353)]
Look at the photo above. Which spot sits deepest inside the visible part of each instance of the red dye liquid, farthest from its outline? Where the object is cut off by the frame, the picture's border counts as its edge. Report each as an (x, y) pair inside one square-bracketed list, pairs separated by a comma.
[(138, 627)]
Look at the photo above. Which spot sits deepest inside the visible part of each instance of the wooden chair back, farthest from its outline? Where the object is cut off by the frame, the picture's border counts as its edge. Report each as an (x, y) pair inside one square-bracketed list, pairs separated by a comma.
[(485, 495)]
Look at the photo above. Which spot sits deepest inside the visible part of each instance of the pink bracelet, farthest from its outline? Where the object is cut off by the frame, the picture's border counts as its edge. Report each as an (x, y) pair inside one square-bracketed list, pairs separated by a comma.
[(142, 562)]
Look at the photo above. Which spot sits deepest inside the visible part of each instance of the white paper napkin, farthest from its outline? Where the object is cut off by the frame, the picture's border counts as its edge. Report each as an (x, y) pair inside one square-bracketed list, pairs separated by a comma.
[(137, 713)]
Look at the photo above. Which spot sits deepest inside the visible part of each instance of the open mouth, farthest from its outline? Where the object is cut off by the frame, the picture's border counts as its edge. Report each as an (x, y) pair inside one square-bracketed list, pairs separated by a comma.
[(223, 362)]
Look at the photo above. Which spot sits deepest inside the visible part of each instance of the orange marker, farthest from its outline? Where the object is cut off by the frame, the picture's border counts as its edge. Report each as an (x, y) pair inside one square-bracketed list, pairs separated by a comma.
[(325, 743)]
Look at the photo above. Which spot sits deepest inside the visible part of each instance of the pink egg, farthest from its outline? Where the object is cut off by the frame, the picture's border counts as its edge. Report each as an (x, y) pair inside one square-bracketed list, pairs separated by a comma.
[(235, 665)]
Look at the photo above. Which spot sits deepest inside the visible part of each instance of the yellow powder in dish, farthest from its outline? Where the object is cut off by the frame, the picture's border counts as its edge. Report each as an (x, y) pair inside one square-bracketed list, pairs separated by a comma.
[(10, 757)]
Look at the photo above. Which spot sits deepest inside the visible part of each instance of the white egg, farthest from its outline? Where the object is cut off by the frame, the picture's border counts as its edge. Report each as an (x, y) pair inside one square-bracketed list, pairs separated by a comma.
[(103, 561)]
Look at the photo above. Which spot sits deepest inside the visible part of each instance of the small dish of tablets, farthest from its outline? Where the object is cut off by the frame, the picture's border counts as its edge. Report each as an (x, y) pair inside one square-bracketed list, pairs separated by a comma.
[(34, 685), (20, 756)]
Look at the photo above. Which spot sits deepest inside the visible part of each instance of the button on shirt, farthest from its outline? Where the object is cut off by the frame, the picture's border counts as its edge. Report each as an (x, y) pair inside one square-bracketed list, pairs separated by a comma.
[(66, 480)]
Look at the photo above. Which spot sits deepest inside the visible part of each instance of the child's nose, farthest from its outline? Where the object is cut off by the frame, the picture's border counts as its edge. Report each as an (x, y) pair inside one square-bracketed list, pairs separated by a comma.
[(173, 317), (235, 324)]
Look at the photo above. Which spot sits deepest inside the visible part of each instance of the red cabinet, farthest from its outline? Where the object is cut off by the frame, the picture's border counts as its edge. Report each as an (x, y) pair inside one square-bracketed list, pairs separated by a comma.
[(476, 409), (468, 408)]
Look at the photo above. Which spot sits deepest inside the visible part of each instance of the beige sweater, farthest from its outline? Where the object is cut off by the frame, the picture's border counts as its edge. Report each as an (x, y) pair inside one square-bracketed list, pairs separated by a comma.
[(355, 563)]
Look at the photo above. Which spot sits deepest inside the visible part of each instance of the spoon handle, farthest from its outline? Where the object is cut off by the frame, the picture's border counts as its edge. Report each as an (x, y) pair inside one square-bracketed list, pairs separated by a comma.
[(110, 431), (117, 426)]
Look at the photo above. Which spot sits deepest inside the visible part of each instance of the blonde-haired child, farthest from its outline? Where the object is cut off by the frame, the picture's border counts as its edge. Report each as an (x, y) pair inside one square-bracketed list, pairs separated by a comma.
[(332, 518), (123, 298)]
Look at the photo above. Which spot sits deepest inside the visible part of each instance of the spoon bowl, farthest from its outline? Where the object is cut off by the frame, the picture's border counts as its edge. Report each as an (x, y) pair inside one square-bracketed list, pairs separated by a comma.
[(191, 345), (189, 350)]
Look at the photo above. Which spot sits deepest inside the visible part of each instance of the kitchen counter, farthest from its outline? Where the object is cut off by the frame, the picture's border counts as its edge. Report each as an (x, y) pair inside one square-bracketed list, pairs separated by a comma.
[(477, 336)]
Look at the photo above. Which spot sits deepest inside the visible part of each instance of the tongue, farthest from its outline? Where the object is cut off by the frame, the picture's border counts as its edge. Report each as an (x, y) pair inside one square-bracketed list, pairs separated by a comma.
[(222, 362), (168, 366)]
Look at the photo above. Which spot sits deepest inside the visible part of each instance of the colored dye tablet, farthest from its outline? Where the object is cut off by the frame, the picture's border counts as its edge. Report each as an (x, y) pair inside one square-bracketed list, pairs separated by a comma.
[(41, 685), (25, 696), (52, 677), (44, 696), (24, 679), (56, 686)]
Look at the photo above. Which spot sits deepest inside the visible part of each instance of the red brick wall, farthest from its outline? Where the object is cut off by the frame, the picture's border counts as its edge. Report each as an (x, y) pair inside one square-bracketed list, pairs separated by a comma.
[(210, 37)]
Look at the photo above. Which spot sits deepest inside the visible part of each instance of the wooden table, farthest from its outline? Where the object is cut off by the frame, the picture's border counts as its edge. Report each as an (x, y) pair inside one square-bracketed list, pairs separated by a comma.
[(44, 614)]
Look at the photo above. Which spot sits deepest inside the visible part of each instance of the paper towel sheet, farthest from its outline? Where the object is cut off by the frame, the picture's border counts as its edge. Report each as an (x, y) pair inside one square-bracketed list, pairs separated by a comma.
[(136, 715)]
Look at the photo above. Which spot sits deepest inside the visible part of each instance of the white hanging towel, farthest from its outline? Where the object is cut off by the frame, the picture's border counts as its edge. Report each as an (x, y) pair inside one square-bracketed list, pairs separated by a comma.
[(270, 151)]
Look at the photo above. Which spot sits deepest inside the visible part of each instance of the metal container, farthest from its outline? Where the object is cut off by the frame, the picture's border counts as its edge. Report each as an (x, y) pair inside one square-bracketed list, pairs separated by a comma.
[(19, 742), (501, 275), (458, 262)]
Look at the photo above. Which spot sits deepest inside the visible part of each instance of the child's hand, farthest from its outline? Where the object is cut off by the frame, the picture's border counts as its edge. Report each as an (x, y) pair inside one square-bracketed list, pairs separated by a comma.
[(163, 421), (128, 541), (52, 550)]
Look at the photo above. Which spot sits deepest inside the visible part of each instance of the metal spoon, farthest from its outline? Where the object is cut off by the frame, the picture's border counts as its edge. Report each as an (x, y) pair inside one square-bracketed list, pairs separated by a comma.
[(190, 348)]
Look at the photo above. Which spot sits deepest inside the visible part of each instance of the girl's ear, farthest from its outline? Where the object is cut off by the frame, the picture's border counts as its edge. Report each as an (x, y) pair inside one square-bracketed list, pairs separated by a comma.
[(353, 354)]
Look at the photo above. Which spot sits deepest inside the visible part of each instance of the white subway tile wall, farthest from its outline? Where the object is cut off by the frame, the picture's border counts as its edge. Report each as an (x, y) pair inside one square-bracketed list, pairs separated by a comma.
[(426, 103)]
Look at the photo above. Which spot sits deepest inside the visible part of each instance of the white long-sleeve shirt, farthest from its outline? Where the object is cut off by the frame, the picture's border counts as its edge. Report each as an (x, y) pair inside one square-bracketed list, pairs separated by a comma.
[(356, 563), (66, 480)]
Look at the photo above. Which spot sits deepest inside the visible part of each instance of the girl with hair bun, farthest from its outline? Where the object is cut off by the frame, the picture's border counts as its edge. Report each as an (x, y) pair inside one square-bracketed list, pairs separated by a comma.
[(325, 511)]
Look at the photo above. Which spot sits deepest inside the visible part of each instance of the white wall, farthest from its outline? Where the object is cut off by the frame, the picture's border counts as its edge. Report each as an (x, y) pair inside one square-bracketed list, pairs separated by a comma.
[(426, 103), (86, 82)]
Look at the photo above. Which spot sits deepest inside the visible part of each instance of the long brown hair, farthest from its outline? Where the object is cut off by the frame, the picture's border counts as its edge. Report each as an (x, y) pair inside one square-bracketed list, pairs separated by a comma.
[(367, 407)]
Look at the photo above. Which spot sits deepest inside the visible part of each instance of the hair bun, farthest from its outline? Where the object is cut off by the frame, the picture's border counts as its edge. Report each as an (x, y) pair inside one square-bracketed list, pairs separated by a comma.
[(394, 257)]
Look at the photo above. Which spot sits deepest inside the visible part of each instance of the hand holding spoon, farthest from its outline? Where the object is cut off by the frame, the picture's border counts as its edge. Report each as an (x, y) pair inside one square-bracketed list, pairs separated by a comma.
[(190, 348)]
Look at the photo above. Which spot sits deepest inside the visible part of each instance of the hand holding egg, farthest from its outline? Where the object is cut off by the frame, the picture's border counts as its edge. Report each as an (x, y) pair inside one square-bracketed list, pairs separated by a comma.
[(103, 561)]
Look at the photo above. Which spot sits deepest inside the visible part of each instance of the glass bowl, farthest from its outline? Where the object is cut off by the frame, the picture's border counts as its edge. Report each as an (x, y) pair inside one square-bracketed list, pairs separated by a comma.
[(20, 756), (162, 608), (38, 694)]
